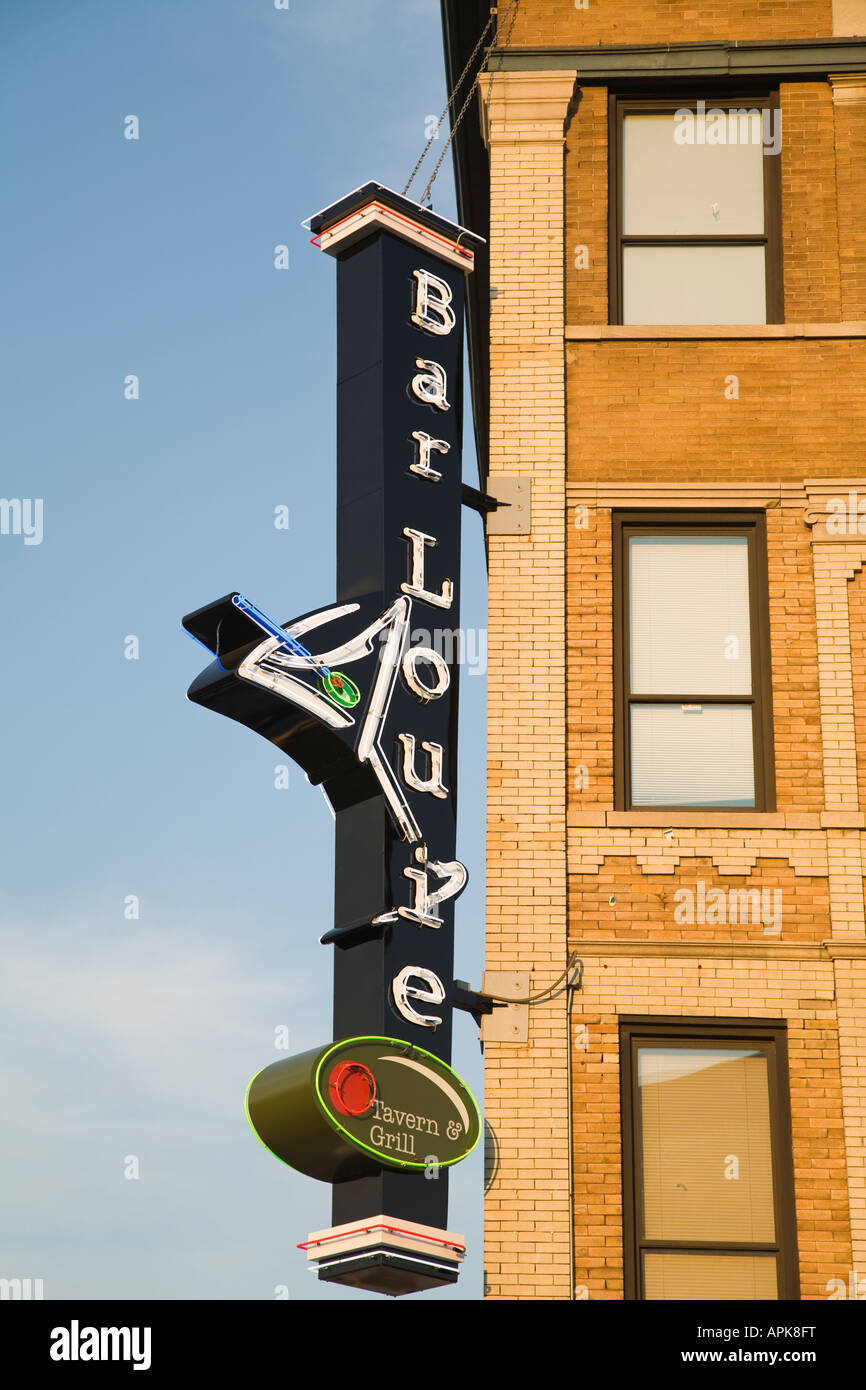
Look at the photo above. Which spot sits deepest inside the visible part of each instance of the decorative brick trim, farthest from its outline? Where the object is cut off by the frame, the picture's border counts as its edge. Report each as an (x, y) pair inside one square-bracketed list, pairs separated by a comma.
[(805, 852), (837, 502), (716, 494), (590, 332), (592, 946)]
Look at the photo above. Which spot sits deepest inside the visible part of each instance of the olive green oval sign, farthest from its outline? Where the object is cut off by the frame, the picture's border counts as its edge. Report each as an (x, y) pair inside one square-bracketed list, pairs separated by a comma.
[(400, 1103), (350, 1108)]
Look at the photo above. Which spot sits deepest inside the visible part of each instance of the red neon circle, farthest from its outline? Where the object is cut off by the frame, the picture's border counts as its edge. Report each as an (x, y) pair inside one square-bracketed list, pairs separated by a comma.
[(352, 1088)]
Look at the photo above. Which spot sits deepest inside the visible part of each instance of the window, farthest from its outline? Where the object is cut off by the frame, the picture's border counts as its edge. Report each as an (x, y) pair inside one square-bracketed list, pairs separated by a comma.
[(695, 212), (691, 662), (708, 1181)]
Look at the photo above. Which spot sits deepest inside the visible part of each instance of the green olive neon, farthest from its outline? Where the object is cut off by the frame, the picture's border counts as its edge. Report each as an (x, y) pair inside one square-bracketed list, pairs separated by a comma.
[(340, 690)]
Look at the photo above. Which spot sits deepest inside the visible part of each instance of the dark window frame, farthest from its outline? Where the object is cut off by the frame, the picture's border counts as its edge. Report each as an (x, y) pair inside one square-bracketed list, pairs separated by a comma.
[(770, 1035), (618, 108), (753, 525)]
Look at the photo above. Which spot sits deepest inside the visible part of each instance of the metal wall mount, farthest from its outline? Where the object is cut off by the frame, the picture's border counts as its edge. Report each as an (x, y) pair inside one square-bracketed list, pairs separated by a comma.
[(511, 1023), (512, 516)]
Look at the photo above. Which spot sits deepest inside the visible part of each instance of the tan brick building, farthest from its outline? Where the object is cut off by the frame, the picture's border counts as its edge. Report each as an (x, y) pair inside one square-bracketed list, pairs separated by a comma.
[(677, 680)]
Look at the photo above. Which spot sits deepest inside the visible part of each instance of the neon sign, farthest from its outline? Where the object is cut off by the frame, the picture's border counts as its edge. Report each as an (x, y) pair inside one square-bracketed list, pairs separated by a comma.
[(368, 715)]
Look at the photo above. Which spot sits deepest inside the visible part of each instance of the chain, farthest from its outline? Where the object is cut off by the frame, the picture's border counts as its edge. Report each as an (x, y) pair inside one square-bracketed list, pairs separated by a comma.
[(510, 16), (458, 84), (508, 23)]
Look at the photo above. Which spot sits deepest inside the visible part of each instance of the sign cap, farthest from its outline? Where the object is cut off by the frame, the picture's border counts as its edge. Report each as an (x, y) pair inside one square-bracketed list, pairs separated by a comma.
[(374, 205)]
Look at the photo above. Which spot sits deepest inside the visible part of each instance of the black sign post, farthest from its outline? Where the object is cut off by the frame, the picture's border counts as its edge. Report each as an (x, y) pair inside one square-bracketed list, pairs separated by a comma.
[(364, 696)]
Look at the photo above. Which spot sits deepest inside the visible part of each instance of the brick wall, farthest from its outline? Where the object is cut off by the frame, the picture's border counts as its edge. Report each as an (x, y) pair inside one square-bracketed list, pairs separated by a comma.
[(658, 408), (715, 987), (586, 208), (810, 242), (584, 410), (857, 611), (656, 907), (794, 669), (527, 1205), (850, 142), (559, 23)]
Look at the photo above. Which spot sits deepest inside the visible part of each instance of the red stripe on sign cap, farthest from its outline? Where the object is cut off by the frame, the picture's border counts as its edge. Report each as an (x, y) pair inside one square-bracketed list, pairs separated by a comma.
[(395, 1230)]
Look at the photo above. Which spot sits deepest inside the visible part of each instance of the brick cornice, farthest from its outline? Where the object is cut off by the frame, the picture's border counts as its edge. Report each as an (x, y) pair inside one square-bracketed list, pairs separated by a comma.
[(757, 59), (722, 494), (848, 86), (834, 512), (744, 950), (525, 107), (845, 950), (617, 332)]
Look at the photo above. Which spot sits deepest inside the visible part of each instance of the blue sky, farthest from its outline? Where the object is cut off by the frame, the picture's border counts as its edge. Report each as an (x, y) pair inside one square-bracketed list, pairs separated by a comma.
[(155, 257)]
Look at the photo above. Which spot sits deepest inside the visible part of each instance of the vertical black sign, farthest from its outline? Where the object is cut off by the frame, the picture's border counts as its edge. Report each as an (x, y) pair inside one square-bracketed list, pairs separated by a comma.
[(364, 694), (399, 434)]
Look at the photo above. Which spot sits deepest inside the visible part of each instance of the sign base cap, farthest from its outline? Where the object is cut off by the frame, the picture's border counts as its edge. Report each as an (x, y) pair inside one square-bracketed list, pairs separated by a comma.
[(385, 1255)]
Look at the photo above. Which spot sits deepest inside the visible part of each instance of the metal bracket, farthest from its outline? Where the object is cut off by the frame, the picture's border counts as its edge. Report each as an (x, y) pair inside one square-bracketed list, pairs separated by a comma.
[(511, 1023), (463, 996), (351, 935), (480, 502), (512, 516)]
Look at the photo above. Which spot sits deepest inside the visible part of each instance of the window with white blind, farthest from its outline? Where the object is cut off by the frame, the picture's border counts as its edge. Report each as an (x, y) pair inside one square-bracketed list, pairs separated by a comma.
[(692, 662), (695, 235), (706, 1161)]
